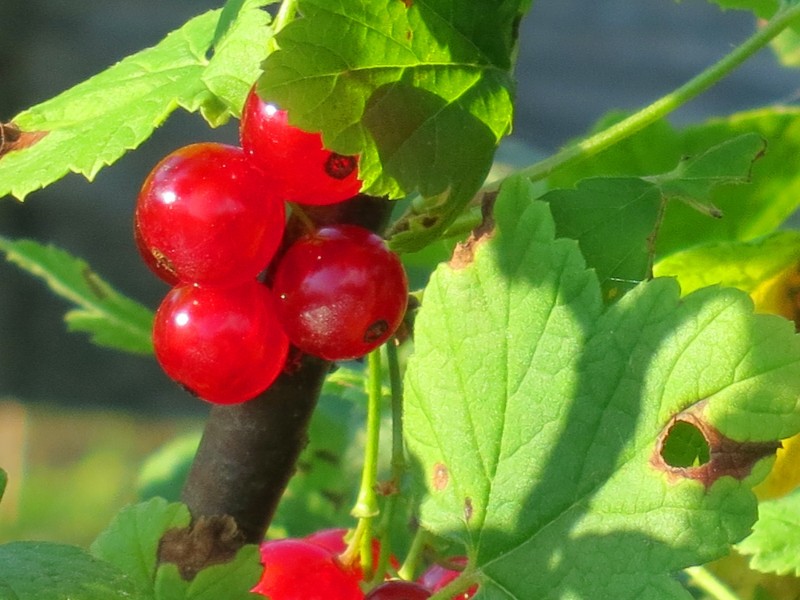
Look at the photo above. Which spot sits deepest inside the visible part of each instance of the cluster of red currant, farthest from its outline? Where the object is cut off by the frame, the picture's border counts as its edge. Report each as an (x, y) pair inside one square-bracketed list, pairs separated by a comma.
[(288, 563), (210, 221)]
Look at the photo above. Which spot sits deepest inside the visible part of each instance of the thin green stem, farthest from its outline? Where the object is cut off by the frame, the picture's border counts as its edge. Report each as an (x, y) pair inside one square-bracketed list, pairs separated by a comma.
[(398, 461), (455, 588), (398, 464), (366, 507), (591, 146), (408, 569), (710, 584)]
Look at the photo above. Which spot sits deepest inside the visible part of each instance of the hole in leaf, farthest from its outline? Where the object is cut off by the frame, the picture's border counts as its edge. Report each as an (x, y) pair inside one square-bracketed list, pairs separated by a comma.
[(685, 446)]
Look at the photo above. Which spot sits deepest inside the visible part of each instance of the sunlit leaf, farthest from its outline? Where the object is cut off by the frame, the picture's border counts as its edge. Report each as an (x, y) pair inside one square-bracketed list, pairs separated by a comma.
[(545, 457)]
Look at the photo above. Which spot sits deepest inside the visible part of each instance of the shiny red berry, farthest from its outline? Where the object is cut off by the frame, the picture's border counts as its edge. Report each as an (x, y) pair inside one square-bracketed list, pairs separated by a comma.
[(223, 344), (161, 269), (340, 292), (333, 541), (206, 215), (302, 170), (398, 590), (301, 570)]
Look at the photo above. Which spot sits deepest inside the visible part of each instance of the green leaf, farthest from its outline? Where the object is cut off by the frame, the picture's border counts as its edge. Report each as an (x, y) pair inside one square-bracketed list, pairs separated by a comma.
[(94, 123), (743, 265), (3, 482), (544, 456), (232, 580), (236, 62), (131, 541), (774, 545), (109, 317), (422, 91), (612, 218), (169, 585), (47, 571), (749, 211), (787, 47), (762, 8), (695, 177), (616, 219)]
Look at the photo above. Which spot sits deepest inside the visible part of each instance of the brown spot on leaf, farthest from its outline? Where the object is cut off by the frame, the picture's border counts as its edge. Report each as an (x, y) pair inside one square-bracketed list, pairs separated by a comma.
[(441, 476), (464, 253), (208, 541), (467, 508), (727, 457), (13, 138), (408, 3)]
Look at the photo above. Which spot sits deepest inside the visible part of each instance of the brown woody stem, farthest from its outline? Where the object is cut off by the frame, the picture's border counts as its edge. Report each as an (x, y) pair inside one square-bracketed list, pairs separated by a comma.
[(248, 451)]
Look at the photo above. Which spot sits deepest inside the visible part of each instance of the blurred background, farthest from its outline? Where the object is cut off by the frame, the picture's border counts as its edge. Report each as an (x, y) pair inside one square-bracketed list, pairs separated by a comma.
[(579, 59)]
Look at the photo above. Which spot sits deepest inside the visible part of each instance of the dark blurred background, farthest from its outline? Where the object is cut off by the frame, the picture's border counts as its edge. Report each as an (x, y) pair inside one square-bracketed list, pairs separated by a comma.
[(579, 59)]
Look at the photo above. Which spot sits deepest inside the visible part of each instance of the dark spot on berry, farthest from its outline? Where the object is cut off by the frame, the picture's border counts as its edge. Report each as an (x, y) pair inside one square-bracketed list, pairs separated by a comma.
[(339, 166), (376, 331), (441, 476)]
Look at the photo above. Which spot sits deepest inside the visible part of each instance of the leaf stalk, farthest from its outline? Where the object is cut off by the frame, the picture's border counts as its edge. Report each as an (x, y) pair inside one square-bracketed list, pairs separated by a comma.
[(595, 144), (710, 584)]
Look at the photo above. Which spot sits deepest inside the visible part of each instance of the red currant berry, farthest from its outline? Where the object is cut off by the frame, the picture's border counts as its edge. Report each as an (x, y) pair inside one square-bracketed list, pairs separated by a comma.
[(207, 216), (302, 169), (160, 268), (223, 344), (300, 570), (398, 590), (437, 576), (340, 292), (333, 541)]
